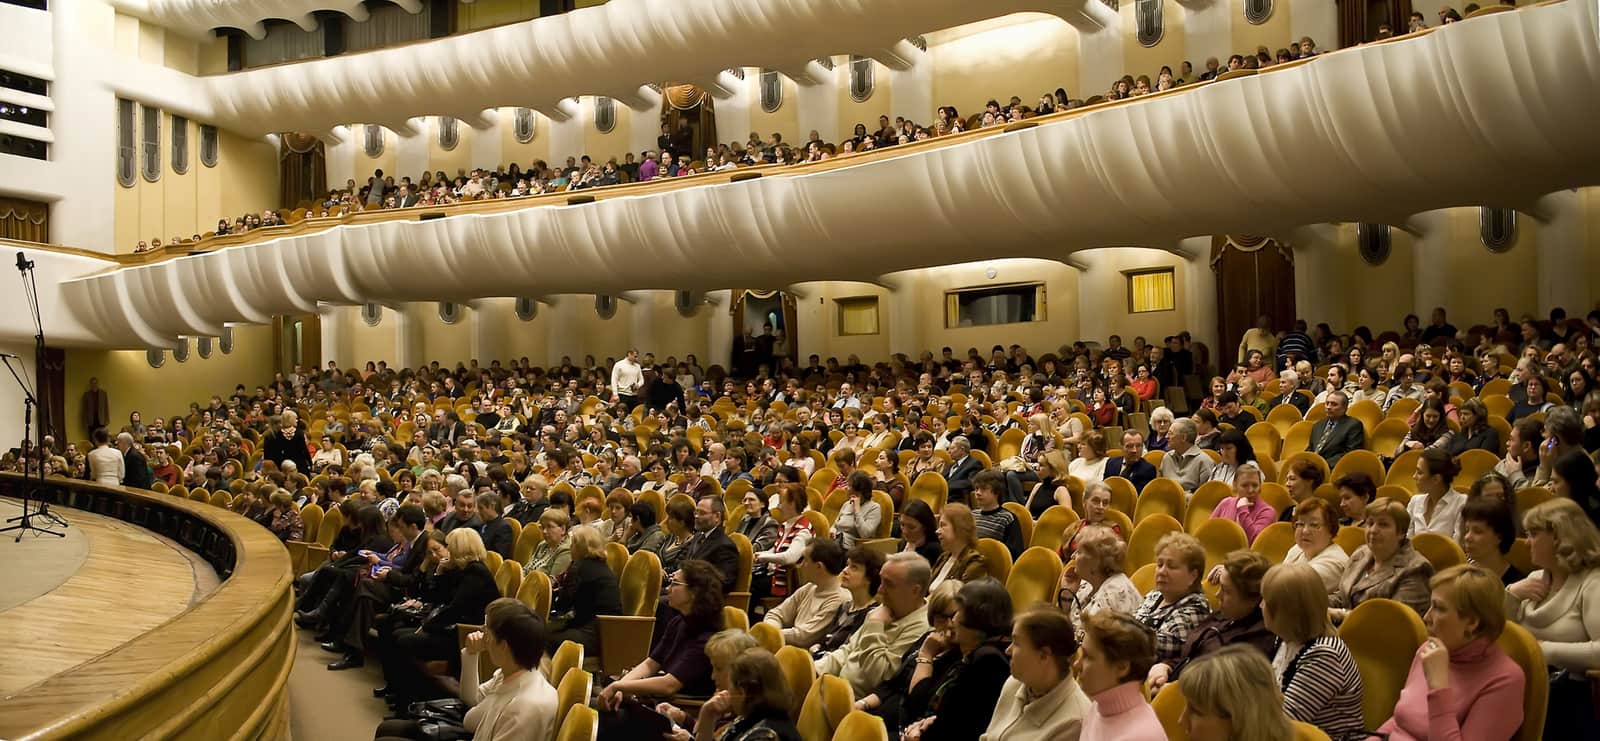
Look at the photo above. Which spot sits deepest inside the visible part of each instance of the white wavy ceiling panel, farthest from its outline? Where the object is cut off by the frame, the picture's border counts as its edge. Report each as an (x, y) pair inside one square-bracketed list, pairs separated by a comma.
[(197, 18), (1483, 112), (613, 49)]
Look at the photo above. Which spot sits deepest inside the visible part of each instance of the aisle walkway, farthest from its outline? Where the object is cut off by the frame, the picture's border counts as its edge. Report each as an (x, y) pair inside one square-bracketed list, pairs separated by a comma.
[(331, 706)]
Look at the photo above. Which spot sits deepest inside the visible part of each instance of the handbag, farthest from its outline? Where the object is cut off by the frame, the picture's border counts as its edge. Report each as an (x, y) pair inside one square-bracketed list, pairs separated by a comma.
[(441, 720)]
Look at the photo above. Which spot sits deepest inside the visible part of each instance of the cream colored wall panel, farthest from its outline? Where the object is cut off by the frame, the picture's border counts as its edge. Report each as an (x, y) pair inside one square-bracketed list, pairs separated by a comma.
[(1138, 59), (250, 182), (1061, 319), (785, 120), (1276, 33), (151, 46), (880, 103), (1208, 32), (1103, 294), (369, 343), (1315, 18), (1025, 59), (447, 343)]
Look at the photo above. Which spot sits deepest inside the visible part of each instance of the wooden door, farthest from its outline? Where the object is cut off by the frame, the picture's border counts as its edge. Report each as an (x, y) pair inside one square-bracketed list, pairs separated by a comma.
[(1255, 277)]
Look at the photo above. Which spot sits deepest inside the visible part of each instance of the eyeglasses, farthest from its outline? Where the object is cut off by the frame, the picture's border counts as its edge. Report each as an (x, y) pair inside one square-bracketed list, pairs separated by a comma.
[(1309, 526)]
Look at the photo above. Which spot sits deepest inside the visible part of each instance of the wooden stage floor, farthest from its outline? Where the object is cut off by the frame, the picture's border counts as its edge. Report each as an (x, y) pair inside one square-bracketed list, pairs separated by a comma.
[(64, 601)]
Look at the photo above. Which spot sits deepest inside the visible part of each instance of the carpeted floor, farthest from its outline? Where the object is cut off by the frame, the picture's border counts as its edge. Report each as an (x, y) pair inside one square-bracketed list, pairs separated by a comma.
[(331, 706), (49, 560)]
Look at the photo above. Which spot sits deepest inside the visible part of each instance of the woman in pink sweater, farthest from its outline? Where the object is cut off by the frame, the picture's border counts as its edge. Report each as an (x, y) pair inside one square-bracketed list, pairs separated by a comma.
[(1247, 509), (1117, 654), (1461, 685)]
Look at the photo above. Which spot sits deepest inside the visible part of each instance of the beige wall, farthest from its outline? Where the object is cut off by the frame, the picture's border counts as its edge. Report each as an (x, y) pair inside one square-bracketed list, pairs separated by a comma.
[(1140, 60), (1026, 59), (483, 14), (245, 180), (133, 385)]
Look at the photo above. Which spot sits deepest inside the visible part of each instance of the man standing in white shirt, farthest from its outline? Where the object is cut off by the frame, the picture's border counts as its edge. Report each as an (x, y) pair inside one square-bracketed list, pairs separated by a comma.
[(626, 379)]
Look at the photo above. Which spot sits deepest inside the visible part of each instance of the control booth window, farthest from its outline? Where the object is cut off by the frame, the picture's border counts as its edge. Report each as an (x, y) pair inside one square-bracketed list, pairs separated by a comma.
[(1007, 304), (1151, 290), (858, 315)]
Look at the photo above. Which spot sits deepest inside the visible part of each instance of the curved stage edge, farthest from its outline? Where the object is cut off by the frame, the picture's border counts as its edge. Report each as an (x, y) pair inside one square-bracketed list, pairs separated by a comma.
[(218, 670)]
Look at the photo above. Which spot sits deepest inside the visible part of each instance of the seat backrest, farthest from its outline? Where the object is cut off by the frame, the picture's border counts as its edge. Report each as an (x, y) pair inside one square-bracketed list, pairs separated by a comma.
[(508, 578), (1274, 541), (582, 723), (1295, 439), (1520, 645), (656, 502), (311, 518), (996, 558), (1304, 731), (1351, 537), (332, 522), (886, 506), (1124, 497), (1219, 538), (1383, 636), (1050, 530), (1264, 438), (813, 721), (1144, 578), (1160, 499), (1024, 520), (734, 618), (527, 543), (617, 558), (741, 580), (798, 672), (1034, 578), (1363, 461), (1149, 531), (1441, 551), (1169, 705), (568, 656), (932, 489), (1401, 471), (1205, 500), (861, 726), (493, 559), (767, 635), (641, 584), (572, 690), (536, 593), (823, 478)]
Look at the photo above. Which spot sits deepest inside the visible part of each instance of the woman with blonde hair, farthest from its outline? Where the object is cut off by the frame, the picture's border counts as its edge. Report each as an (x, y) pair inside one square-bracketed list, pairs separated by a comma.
[(1160, 423), (1313, 667), (1051, 488), (471, 588), (958, 537), (1231, 695), (1461, 685), (1559, 604), (722, 649), (586, 590)]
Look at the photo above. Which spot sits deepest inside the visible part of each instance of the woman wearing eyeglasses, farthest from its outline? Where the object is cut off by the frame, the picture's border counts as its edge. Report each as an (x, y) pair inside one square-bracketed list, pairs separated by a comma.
[(1314, 528)]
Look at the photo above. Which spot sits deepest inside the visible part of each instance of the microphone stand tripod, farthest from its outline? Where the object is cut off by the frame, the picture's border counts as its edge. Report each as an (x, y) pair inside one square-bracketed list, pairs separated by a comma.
[(25, 522)]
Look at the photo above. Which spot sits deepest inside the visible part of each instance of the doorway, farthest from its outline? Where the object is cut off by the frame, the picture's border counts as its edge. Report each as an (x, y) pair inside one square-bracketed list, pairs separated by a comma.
[(1255, 278), (763, 331), (298, 341)]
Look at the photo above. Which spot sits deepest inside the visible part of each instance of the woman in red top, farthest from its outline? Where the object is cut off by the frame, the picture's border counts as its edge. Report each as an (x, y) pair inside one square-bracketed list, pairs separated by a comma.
[(1143, 385)]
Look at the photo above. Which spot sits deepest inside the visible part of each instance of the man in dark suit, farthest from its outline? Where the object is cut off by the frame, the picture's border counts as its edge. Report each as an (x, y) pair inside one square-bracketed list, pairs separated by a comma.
[(1289, 383), (1132, 465), (958, 475), (710, 543), (464, 514), (135, 467), (96, 407), (406, 199), (1339, 433), (495, 530)]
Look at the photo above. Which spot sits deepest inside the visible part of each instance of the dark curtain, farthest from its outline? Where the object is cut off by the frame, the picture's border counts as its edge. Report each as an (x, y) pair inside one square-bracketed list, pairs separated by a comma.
[(1255, 277), (24, 220), (691, 104), (303, 170), (51, 388), (1352, 22)]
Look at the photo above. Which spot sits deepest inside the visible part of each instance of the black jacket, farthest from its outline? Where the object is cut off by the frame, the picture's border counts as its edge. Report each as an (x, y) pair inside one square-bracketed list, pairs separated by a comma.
[(497, 536), (969, 694), (1140, 473), (278, 449), (136, 470), (585, 590), (471, 590), (410, 568), (715, 547)]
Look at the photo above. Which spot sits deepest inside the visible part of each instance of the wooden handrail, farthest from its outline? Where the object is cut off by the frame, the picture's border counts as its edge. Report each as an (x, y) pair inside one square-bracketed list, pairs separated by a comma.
[(218, 670), (662, 185)]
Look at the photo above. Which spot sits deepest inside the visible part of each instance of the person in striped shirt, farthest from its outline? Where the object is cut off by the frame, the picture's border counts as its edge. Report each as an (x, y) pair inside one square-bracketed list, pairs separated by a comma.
[(1314, 668)]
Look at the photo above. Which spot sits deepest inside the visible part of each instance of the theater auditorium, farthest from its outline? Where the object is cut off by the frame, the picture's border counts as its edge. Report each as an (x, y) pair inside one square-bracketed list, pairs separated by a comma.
[(763, 370)]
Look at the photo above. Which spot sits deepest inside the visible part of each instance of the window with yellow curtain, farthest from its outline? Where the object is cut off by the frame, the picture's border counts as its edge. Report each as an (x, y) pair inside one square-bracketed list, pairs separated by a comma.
[(1151, 290), (858, 315), (24, 220)]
